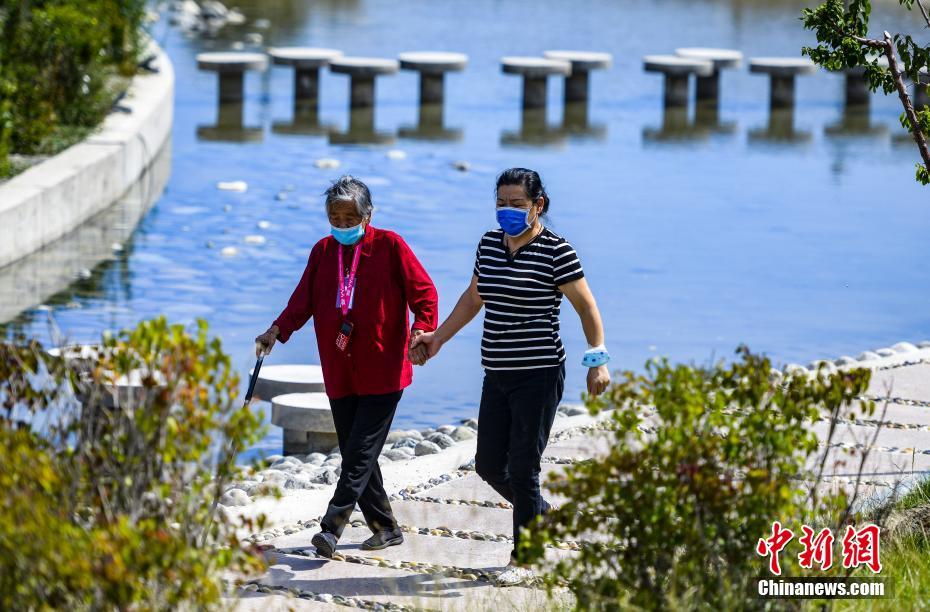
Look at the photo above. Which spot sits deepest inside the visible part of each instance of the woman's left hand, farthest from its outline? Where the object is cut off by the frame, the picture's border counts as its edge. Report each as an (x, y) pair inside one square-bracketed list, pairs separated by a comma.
[(598, 379)]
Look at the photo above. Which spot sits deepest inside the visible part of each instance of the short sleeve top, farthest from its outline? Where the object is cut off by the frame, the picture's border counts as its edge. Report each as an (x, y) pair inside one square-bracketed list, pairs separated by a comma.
[(522, 299)]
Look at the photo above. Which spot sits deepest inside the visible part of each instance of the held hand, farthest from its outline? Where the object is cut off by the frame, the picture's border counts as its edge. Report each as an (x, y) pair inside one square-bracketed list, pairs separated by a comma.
[(598, 379), (265, 341), (429, 341), (416, 353)]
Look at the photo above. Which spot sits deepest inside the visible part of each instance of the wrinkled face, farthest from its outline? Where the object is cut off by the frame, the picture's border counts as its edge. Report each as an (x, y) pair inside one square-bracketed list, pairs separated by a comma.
[(344, 214), (515, 196)]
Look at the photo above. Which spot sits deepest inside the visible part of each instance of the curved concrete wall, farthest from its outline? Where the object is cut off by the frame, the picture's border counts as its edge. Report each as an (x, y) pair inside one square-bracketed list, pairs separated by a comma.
[(56, 196)]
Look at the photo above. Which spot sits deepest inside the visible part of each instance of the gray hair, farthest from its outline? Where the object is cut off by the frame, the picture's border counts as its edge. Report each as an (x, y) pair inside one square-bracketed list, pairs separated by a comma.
[(347, 188)]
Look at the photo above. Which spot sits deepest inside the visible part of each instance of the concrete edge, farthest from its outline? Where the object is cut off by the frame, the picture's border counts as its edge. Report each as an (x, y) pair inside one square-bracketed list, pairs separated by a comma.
[(56, 196)]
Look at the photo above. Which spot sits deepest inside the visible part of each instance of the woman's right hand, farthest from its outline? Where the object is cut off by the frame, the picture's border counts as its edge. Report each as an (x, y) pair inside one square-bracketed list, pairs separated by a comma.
[(265, 341), (430, 341)]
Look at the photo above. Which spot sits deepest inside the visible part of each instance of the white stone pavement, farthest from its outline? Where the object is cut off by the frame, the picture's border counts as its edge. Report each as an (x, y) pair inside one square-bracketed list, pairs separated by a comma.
[(457, 529)]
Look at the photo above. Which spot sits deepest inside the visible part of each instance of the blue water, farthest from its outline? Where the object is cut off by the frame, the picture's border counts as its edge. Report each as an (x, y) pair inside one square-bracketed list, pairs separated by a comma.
[(802, 249)]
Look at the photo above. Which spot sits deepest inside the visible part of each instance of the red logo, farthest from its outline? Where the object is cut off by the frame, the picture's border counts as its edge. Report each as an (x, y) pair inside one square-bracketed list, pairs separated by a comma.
[(861, 548), (773, 545)]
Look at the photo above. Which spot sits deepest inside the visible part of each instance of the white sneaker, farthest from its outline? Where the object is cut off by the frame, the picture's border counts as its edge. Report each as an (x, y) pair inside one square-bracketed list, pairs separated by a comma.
[(515, 575)]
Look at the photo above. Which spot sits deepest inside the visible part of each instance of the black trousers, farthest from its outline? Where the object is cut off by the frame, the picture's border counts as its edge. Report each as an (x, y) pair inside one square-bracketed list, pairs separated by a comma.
[(514, 419), (362, 424)]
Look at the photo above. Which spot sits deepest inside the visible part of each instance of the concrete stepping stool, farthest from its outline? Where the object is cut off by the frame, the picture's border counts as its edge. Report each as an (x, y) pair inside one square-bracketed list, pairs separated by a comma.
[(857, 91), (582, 63), (276, 380), (432, 66), (708, 87), (231, 68), (677, 70), (126, 390), (920, 89), (307, 421), (534, 71), (782, 72), (306, 62), (362, 72)]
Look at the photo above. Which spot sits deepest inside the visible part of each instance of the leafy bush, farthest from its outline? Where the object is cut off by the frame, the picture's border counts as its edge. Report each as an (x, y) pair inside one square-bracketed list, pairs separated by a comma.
[(112, 502), (60, 63), (701, 462)]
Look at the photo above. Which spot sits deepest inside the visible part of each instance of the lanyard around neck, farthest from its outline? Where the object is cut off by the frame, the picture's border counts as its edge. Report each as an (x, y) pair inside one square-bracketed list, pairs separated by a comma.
[(347, 284)]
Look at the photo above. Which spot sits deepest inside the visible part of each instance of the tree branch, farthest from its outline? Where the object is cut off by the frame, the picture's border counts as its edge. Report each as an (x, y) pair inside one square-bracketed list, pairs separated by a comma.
[(923, 12), (919, 137)]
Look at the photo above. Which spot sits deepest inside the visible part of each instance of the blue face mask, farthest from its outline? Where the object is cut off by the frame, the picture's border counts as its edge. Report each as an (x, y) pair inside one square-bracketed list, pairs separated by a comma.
[(349, 235), (514, 221)]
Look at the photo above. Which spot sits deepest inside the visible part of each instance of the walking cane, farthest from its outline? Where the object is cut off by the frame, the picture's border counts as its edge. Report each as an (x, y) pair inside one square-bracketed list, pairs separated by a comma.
[(254, 378)]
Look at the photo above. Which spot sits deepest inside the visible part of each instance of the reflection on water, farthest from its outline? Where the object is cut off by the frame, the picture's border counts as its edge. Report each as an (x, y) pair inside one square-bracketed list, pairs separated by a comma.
[(431, 125), (361, 130), (305, 121), (676, 127), (75, 265), (780, 130), (229, 127)]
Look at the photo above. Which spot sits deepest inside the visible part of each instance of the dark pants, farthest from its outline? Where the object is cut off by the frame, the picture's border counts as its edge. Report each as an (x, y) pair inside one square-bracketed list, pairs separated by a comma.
[(362, 424), (514, 419)]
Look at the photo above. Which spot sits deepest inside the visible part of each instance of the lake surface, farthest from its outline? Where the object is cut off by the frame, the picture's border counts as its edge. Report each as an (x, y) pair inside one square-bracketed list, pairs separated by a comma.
[(693, 241)]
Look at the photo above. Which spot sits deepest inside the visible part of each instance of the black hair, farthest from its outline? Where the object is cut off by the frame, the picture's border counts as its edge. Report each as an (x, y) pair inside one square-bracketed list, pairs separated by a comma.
[(529, 180)]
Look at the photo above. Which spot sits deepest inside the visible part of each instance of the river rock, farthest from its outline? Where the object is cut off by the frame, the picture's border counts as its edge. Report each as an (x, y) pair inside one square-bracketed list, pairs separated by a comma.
[(473, 423), (238, 186), (326, 163), (286, 463), (273, 476), (328, 476), (316, 458), (426, 447), (576, 410), (235, 497), (405, 443), (211, 9), (462, 433), (299, 481), (441, 439), (446, 429), (413, 433), (398, 454), (908, 523), (394, 435)]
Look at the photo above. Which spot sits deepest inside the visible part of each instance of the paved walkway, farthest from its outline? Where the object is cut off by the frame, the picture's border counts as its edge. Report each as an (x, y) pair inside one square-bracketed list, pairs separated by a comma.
[(457, 529)]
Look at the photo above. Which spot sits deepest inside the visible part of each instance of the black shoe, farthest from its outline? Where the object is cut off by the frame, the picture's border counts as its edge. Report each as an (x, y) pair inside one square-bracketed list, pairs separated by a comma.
[(383, 539), (325, 544)]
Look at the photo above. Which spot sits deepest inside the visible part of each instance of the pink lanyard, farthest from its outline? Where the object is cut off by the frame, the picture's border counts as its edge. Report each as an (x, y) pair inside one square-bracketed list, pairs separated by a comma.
[(347, 285)]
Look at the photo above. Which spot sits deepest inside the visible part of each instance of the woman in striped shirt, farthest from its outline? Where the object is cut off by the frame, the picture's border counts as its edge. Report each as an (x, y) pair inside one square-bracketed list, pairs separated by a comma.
[(521, 272)]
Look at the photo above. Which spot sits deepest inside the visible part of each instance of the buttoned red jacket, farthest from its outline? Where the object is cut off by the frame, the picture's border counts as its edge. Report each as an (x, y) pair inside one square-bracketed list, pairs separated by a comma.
[(389, 281)]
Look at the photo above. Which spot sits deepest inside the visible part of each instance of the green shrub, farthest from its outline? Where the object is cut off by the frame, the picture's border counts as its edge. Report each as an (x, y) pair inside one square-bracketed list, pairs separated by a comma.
[(61, 64), (112, 502), (701, 462)]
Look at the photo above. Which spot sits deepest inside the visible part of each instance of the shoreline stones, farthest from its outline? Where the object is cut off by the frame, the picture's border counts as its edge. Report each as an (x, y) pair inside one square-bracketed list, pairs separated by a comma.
[(317, 470)]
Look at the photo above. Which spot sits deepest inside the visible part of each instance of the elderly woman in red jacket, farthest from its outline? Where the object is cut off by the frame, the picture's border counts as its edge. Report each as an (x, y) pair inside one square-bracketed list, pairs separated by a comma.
[(358, 286)]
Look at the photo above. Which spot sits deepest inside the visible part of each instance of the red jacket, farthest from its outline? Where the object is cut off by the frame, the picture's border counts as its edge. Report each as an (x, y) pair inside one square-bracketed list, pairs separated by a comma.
[(389, 280)]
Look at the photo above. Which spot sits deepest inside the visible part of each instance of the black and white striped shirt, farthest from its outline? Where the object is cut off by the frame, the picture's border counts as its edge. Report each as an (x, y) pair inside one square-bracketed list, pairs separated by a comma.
[(522, 298)]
